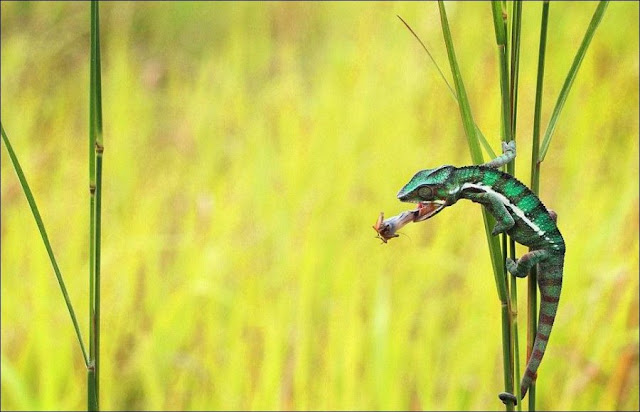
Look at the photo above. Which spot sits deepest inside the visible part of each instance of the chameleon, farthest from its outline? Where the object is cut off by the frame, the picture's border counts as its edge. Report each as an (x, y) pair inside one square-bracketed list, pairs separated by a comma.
[(519, 213)]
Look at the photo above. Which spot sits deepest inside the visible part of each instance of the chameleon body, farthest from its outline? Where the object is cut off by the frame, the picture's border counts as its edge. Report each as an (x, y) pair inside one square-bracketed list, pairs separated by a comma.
[(519, 213)]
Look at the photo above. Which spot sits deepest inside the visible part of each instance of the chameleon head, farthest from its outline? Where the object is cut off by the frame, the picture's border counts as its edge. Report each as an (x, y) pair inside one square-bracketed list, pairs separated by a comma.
[(428, 188)]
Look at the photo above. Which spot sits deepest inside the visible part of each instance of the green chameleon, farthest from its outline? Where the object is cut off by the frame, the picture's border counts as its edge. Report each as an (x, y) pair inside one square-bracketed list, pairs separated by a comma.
[(520, 214)]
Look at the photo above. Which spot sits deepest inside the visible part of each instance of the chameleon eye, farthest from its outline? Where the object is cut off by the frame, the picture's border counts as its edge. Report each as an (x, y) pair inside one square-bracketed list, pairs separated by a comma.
[(425, 192)]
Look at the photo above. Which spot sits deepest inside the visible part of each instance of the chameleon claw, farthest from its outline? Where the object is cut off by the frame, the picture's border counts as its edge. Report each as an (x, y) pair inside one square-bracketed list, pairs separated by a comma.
[(507, 398), (512, 267), (508, 154), (508, 146)]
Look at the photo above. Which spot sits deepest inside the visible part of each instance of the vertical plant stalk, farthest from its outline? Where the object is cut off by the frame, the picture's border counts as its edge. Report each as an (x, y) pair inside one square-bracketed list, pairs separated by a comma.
[(499, 24), (99, 150), (500, 28), (532, 279), (497, 259), (92, 396), (45, 239), (515, 62), (96, 149), (516, 26)]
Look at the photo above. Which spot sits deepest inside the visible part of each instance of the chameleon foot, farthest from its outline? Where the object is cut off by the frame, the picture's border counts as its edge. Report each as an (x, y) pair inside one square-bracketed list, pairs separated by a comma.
[(508, 154), (554, 216), (509, 147), (507, 398), (512, 267)]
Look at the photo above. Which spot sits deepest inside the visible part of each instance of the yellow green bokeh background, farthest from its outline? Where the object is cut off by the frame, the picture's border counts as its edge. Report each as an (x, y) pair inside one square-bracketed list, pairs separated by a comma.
[(249, 147)]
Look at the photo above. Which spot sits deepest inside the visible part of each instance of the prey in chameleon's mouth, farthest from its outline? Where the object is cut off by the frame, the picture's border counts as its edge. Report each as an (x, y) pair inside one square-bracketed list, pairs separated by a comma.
[(387, 228), (429, 209)]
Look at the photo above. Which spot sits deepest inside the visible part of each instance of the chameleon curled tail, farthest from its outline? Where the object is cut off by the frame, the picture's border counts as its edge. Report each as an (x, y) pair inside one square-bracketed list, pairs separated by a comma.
[(550, 283)]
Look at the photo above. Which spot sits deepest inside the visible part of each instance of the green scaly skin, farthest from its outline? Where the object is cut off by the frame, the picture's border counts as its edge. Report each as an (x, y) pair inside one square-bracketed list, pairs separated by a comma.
[(520, 214)]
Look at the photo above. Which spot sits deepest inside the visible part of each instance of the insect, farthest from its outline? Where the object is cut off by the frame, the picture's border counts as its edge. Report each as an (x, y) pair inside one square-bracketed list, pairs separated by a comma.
[(386, 229)]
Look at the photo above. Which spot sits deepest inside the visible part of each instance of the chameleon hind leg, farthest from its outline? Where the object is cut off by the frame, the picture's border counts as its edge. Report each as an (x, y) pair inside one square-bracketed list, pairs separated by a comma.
[(527, 261), (522, 267), (508, 154), (495, 206)]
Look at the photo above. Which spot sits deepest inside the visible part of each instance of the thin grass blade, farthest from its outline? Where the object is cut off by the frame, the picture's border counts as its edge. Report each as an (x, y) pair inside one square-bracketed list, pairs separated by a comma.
[(45, 238), (483, 139), (571, 76)]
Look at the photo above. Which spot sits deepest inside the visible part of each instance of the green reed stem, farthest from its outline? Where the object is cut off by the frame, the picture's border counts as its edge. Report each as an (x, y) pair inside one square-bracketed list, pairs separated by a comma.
[(95, 189), (516, 26), (509, 322), (92, 398), (532, 286), (97, 264), (515, 62)]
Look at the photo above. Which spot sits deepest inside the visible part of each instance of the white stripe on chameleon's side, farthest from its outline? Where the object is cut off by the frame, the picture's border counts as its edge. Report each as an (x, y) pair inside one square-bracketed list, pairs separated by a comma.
[(507, 203)]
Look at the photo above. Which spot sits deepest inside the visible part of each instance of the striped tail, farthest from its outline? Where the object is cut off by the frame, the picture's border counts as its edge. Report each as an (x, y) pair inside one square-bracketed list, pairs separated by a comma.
[(550, 283)]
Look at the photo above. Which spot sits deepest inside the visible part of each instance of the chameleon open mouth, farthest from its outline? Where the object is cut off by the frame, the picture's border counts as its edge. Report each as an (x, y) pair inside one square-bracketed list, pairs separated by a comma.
[(429, 209)]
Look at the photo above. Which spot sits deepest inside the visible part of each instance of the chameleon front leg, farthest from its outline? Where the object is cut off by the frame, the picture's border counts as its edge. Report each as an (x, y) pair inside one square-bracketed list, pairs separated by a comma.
[(508, 154), (496, 207)]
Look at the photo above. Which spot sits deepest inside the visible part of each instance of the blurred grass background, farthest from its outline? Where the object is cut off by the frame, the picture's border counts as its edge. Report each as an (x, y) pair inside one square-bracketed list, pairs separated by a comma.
[(249, 147)]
